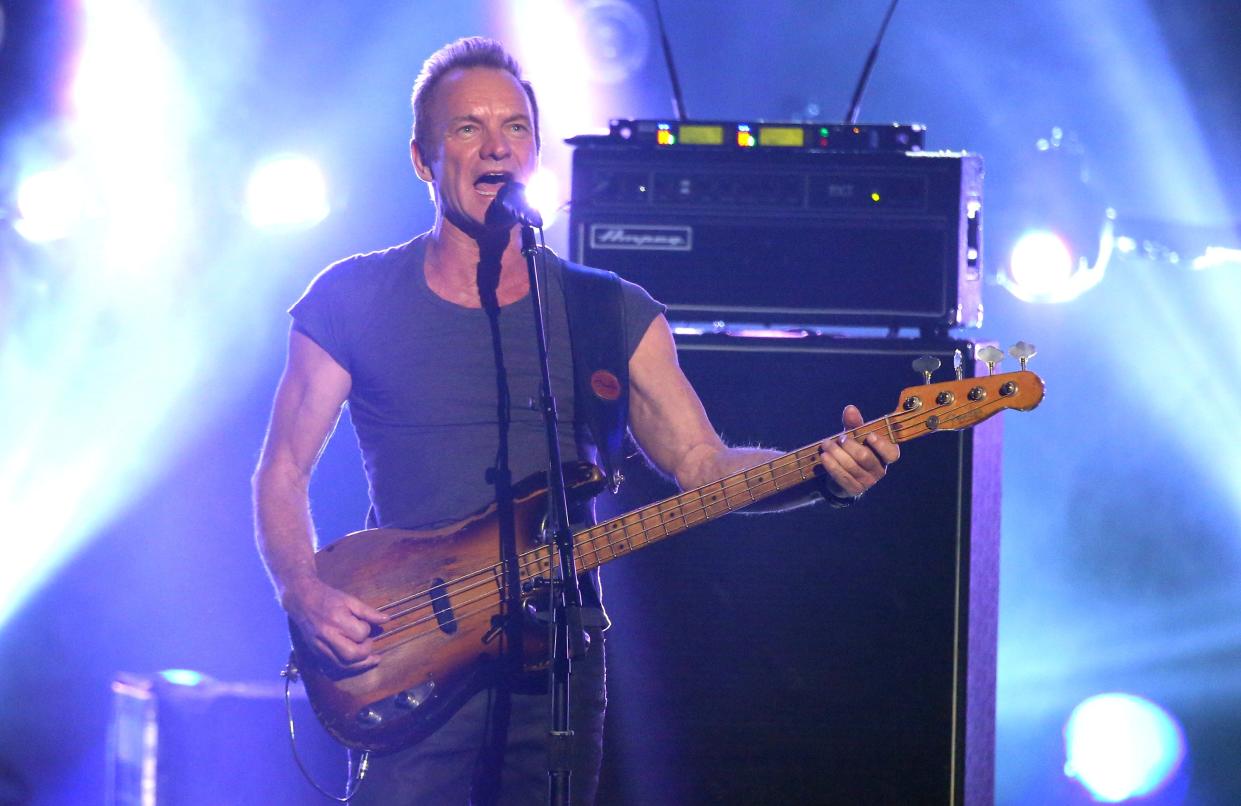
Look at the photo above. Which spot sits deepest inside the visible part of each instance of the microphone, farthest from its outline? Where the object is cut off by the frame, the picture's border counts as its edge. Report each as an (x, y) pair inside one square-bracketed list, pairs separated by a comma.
[(512, 197)]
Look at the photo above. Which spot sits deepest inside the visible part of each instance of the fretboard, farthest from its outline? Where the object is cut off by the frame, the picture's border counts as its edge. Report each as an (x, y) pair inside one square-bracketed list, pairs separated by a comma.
[(928, 409), (620, 536)]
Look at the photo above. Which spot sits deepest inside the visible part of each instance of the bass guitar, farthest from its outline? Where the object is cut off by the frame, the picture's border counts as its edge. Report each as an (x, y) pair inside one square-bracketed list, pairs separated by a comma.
[(444, 588)]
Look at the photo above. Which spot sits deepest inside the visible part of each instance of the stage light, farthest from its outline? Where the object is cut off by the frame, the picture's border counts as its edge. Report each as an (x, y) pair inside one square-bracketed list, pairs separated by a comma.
[(183, 677), (1069, 233), (103, 360), (543, 194), (1040, 263), (1044, 267), (1119, 746), (50, 204), (1218, 257), (617, 39), (287, 192), (555, 52)]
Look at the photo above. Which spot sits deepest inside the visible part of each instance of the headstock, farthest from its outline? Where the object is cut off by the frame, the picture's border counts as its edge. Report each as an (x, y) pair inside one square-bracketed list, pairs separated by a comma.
[(961, 403)]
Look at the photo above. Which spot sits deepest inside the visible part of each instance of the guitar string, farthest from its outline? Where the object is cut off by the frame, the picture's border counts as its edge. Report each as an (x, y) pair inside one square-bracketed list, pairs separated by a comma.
[(739, 480), (540, 563), (797, 468), (462, 614), (494, 598), (787, 465), (793, 465), (726, 487), (531, 559)]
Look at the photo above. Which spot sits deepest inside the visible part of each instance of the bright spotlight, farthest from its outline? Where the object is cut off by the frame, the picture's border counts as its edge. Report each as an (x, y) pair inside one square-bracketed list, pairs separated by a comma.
[(1215, 257), (1041, 262), (287, 192), (1119, 746), (1069, 232), (1044, 267), (50, 204), (543, 194)]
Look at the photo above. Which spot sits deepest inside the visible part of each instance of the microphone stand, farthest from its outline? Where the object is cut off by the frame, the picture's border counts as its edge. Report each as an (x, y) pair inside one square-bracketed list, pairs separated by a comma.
[(566, 596)]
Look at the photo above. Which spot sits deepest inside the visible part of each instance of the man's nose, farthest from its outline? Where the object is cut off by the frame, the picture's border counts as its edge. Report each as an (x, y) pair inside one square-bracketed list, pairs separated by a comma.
[(496, 145)]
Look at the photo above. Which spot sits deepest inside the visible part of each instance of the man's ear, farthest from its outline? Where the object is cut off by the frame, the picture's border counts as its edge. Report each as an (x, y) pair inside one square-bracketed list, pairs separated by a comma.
[(421, 167)]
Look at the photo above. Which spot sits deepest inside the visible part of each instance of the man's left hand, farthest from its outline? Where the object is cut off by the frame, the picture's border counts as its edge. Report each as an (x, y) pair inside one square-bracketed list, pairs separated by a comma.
[(854, 467)]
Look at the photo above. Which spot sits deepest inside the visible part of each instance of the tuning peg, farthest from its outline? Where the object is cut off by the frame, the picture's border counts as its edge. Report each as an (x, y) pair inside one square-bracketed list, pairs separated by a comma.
[(926, 364), (958, 364), (1022, 352), (990, 356)]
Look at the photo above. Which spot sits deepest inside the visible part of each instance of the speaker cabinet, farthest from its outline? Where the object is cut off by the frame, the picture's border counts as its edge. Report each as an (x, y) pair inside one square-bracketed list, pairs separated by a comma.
[(182, 739), (814, 656)]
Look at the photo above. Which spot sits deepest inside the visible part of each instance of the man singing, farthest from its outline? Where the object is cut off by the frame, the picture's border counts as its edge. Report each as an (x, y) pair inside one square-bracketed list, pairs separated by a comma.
[(431, 344)]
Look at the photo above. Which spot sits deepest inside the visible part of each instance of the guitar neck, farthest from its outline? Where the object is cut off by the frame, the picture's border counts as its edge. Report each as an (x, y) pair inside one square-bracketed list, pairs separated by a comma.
[(949, 406), (619, 536)]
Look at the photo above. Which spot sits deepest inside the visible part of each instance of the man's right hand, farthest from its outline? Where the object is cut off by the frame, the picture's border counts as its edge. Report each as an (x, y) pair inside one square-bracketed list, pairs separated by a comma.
[(338, 626)]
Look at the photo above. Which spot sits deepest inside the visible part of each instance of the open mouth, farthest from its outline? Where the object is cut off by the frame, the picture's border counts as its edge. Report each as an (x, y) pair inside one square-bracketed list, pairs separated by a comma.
[(489, 183)]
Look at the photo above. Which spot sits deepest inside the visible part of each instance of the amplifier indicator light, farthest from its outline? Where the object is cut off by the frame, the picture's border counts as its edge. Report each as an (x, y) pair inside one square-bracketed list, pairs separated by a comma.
[(781, 136), (745, 138), (664, 135)]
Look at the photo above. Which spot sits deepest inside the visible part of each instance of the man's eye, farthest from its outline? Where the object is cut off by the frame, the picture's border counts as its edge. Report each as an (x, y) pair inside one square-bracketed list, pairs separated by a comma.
[(518, 127), (466, 129)]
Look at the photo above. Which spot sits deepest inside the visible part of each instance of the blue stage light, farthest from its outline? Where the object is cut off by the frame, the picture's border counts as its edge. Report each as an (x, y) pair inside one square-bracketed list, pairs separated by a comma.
[(1041, 262), (50, 204), (1069, 230), (182, 677), (287, 192), (104, 345), (1120, 746)]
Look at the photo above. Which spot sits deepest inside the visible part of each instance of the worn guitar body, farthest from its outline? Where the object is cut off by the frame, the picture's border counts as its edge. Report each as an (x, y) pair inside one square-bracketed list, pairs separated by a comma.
[(443, 589), (445, 636)]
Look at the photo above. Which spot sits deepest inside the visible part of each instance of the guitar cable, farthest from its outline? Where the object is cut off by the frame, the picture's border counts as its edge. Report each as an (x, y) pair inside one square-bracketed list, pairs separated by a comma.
[(289, 673)]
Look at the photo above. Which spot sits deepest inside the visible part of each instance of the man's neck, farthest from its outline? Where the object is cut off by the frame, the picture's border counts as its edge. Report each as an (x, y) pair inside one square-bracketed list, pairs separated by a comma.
[(458, 264)]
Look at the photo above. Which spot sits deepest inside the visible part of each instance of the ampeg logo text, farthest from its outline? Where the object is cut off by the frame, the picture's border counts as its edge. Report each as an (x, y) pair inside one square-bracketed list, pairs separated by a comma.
[(652, 237)]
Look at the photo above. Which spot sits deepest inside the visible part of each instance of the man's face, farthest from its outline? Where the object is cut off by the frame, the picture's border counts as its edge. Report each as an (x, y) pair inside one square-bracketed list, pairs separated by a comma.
[(483, 136)]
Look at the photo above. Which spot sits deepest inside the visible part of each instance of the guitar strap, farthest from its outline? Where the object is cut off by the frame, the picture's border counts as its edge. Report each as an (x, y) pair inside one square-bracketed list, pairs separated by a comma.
[(596, 315)]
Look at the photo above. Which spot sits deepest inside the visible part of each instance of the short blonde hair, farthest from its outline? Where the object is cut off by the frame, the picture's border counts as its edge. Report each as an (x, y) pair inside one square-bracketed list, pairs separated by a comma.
[(465, 53)]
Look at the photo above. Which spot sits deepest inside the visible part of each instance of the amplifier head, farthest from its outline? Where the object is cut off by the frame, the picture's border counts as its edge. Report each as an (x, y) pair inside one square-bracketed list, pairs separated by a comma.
[(813, 238)]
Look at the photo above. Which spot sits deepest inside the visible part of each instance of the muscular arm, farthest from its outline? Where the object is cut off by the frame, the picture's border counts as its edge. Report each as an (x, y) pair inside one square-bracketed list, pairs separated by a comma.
[(669, 422), (307, 407)]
